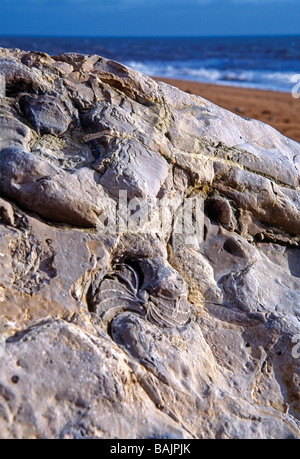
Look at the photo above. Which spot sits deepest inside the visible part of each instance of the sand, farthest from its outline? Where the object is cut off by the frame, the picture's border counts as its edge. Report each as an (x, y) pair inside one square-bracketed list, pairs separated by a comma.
[(278, 109)]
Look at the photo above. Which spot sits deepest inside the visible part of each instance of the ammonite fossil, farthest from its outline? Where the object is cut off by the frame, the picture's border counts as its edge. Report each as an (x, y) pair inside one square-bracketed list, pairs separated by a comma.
[(150, 288)]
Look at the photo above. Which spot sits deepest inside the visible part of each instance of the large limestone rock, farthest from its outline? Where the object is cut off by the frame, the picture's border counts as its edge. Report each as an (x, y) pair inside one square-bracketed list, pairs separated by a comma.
[(118, 317)]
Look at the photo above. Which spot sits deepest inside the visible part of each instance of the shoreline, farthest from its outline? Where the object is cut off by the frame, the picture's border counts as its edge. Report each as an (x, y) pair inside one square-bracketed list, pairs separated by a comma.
[(278, 109)]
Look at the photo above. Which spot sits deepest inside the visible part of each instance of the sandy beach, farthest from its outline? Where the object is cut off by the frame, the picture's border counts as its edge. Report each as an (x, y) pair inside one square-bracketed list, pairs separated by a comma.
[(279, 109)]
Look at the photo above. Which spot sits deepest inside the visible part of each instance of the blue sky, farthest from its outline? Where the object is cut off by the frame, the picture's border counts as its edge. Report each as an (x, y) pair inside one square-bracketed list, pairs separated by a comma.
[(149, 17)]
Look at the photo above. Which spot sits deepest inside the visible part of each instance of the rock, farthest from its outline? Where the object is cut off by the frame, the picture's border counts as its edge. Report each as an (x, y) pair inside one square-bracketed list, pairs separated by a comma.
[(46, 114), (136, 169), (6, 213), (42, 273), (149, 259), (82, 410), (49, 191), (13, 131)]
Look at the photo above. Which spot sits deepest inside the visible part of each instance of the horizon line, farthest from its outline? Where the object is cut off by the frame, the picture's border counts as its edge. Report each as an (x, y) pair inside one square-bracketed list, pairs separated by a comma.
[(151, 36)]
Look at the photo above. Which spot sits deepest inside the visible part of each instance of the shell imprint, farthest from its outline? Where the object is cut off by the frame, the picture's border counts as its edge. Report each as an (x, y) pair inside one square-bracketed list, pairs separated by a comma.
[(147, 287)]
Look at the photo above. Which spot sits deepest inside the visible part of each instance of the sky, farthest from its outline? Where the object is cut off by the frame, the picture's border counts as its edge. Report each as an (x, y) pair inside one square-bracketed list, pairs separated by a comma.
[(156, 18)]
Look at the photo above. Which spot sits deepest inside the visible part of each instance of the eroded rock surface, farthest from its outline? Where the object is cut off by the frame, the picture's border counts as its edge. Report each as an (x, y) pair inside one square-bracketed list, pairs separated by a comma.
[(112, 327)]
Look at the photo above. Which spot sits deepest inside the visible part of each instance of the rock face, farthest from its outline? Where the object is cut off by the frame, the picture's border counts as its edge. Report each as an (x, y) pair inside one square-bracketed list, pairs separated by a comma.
[(114, 324)]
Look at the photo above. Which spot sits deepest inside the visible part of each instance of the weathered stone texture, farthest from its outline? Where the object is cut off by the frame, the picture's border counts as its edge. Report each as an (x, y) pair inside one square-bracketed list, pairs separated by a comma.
[(125, 334)]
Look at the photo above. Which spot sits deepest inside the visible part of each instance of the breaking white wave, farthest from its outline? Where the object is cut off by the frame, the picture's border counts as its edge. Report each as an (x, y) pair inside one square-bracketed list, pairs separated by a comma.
[(258, 79)]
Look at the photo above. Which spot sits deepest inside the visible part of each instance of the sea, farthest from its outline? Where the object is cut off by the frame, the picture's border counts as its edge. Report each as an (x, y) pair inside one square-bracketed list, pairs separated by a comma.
[(271, 63)]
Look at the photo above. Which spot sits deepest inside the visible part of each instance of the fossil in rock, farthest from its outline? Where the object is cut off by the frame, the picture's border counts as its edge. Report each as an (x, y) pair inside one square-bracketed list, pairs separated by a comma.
[(119, 292), (167, 305), (146, 287)]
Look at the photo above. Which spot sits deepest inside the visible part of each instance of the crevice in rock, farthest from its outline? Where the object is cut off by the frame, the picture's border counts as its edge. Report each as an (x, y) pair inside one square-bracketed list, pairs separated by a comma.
[(20, 85)]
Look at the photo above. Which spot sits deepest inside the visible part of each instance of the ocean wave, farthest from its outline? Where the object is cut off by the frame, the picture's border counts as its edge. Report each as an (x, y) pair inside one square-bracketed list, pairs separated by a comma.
[(259, 79)]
